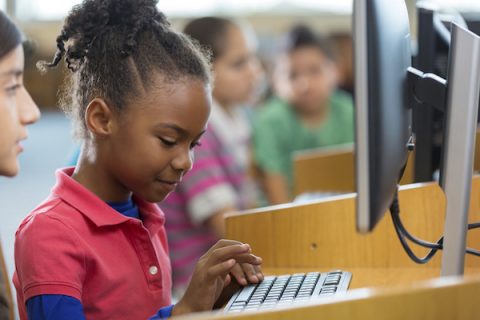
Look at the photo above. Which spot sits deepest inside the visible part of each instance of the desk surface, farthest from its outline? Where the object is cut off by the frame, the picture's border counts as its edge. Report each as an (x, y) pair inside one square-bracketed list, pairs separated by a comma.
[(439, 299), (321, 235)]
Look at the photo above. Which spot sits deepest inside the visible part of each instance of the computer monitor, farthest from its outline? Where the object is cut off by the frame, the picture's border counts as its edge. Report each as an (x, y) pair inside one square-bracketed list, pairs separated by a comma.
[(433, 43), (433, 46), (383, 118), (385, 87)]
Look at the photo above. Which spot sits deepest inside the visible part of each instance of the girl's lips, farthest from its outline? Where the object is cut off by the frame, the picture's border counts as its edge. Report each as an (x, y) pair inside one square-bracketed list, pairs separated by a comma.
[(168, 185), (173, 182), (19, 147)]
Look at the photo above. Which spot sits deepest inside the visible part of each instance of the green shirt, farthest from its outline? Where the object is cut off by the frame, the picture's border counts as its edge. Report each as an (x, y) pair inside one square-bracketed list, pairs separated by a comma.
[(278, 133)]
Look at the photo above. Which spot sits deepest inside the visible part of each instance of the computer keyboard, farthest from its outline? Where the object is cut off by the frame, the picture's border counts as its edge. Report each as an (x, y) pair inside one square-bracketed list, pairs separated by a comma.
[(288, 289)]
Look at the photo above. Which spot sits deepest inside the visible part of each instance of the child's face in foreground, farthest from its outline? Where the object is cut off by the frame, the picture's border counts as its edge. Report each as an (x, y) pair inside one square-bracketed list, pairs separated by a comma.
[(151, 146), (17, 110), (306, 78)]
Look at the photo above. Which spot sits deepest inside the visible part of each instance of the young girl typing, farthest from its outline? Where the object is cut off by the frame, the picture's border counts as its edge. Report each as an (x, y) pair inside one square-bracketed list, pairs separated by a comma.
[(17, 110), (218, 182), (96, 248)]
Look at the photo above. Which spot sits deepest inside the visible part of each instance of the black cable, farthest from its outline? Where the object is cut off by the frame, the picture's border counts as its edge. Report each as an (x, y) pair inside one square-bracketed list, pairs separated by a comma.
[(402, 233), (395, 212), (400, 230), (474, 225)]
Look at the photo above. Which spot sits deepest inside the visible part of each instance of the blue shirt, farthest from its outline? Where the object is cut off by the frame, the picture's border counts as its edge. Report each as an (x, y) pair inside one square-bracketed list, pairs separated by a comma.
[(60, 307)]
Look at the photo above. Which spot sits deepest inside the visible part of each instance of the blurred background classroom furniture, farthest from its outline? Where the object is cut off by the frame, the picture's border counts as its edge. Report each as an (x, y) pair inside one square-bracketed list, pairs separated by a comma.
[(331, 170)]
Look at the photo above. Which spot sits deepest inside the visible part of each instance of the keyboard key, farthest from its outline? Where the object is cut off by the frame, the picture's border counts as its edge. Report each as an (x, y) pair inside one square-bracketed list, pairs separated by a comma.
[(245, 293)]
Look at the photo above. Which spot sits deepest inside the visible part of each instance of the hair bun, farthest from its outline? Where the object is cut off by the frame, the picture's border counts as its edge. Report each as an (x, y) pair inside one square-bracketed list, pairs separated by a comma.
[(129, 12), (91, 19)]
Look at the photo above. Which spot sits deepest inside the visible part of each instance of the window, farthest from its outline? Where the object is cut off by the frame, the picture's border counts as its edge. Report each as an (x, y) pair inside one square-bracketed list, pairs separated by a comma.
[(3, 5), (44, 10), (243, 7), (58, 9), (460, 5)]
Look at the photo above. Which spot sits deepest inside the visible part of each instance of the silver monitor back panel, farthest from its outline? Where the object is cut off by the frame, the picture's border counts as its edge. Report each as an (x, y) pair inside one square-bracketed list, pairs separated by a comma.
[(461, 114)]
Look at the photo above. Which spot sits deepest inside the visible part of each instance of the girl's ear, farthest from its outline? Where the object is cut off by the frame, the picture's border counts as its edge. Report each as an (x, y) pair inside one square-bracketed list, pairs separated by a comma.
[(99, 118)]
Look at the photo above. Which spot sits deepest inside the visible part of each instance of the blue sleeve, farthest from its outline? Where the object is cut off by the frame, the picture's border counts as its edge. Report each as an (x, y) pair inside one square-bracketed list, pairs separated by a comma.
[(54, 307), (163, 313)]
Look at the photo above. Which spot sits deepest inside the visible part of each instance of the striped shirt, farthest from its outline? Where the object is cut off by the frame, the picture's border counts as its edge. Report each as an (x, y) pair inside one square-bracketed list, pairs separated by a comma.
[(217, 180)]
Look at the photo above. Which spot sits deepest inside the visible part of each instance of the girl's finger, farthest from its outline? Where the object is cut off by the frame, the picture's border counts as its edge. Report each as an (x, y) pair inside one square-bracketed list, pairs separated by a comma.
[(223, 243), (232, 251), (239, 275), (228, 280), (258, 270), (250, 272), (221, 269), (248, 258)]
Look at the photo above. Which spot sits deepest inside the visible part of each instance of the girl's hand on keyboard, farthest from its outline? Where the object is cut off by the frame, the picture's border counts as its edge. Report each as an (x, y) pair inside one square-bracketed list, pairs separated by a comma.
[(212, 275), (243, 274), (246, 273)]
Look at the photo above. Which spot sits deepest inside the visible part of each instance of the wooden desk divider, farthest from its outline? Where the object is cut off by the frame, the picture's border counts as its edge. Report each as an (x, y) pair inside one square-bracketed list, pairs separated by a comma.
[(331, 170), (321, 235)]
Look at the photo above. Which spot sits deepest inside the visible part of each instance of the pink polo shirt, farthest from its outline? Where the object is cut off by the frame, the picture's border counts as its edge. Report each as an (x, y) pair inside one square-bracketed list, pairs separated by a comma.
[(77, 245)]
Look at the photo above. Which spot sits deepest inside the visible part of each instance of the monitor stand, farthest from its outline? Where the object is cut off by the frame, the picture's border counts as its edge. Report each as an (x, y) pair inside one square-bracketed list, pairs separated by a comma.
[(461, 120)]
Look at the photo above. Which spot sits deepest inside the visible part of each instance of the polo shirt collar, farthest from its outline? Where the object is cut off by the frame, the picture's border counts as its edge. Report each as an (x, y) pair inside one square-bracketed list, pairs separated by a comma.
[(97, 210)]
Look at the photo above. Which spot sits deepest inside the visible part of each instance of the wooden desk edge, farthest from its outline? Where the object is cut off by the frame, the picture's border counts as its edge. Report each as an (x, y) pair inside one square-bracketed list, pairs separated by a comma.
[(362, 303)]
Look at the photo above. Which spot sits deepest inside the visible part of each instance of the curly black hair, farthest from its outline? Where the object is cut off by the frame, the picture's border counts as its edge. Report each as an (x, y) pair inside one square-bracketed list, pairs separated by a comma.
[(113, 48)]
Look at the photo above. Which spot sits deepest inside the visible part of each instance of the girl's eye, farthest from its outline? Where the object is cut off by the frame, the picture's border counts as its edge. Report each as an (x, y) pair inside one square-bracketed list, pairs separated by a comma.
[(12, 89), (195, 144), (168, 143), (240, 63)]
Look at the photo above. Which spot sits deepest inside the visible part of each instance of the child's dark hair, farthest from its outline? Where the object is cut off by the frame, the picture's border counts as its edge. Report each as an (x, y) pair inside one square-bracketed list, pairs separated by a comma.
[(10, 36), (301, 36), (210, 32), (115, 47)]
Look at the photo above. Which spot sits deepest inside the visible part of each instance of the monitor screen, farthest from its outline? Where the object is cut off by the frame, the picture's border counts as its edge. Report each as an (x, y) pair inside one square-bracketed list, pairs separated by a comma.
[(383, 118)]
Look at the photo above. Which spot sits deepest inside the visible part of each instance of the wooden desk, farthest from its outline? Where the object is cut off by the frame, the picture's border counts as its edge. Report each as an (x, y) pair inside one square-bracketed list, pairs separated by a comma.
[(439, 299), (331, 170), (321, 236)]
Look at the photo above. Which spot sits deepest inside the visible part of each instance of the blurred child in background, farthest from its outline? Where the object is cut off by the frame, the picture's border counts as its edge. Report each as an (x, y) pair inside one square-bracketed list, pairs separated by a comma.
[(218, 182), (17, 110), (307, 112)]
